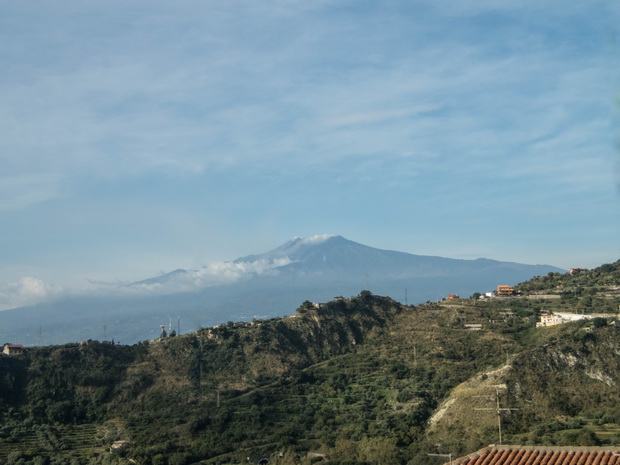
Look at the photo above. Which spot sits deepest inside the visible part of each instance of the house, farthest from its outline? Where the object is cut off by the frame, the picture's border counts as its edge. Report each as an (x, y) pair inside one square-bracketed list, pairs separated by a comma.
[(13, 349), (549, 320), (573, 271), (453, 296), (503, 290), (538, 455)]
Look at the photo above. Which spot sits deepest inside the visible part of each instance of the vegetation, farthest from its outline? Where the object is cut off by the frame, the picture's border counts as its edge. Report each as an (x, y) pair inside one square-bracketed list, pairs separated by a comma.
[(361, 380)]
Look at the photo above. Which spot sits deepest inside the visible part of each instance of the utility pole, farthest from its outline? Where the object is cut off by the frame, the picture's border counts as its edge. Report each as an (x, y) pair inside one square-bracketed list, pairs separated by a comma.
[(499, 411), (405, 296)]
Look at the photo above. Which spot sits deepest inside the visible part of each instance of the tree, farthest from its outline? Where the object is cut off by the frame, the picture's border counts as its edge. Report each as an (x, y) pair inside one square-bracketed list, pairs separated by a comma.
[(377, 450), (305, 307)]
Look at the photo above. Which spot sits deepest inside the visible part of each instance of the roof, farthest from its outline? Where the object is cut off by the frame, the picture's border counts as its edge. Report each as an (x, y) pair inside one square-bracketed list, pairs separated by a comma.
[(540, 455)]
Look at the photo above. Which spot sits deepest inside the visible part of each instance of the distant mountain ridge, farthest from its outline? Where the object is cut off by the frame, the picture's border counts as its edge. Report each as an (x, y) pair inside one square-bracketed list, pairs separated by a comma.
[(328, 254), (264, 285)]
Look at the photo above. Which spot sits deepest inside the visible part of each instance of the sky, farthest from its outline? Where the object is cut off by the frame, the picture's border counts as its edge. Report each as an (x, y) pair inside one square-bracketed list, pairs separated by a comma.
[(138, 137)]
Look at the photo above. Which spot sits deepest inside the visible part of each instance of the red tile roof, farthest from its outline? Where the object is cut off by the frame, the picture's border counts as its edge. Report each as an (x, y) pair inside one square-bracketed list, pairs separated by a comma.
[(534, 455)]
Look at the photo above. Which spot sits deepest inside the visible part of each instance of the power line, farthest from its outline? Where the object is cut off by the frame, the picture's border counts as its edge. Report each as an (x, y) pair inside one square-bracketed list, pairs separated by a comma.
[(499, 411)]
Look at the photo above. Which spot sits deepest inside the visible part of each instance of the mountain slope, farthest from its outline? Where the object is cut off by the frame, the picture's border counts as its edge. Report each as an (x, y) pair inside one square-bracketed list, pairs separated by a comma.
[(335, 254), (326, 256)]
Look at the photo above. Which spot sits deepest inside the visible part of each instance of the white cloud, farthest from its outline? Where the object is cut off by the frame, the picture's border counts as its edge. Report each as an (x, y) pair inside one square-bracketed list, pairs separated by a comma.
[(31, 291), (316, 239), (26, 291), (215, 274)]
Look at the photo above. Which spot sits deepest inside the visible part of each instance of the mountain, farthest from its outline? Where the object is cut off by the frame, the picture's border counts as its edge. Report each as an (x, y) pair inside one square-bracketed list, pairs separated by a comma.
[(256, 286), (355, 380), (334, 256)]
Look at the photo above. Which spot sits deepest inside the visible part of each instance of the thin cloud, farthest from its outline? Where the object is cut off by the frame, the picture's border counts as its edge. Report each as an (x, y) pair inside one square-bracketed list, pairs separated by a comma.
[(19, 192), (196, 108), (379, 116), (221, 97)]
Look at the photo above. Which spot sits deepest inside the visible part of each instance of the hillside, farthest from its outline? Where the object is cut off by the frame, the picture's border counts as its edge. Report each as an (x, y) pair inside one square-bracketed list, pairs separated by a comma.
[(363, 380)]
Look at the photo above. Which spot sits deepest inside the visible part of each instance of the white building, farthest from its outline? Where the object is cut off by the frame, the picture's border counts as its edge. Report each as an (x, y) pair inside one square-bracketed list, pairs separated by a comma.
[(549, 320)]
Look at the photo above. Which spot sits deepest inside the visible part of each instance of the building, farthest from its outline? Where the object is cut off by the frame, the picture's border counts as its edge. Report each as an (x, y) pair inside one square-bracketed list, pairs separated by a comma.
[(503, 290), (13, 349), (576, 270), (473, 326), (539, 455), (453, 296), (549, 320), (118, 445)]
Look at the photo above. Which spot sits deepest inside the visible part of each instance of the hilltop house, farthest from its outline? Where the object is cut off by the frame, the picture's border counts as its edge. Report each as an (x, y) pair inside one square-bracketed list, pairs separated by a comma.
[(505, 291), (516, 455), (574, 271), (13, 349)]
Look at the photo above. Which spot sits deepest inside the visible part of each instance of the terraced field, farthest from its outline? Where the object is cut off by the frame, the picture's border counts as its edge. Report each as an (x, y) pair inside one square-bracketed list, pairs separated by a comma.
[(51, 441)]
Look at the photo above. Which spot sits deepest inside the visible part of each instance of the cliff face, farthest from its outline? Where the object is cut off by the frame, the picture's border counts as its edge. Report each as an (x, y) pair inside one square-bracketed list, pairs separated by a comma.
[(576, 373), (545, 393)]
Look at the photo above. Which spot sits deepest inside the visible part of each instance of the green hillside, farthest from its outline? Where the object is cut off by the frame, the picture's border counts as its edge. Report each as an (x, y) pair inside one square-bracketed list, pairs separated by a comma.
[(360, 380)]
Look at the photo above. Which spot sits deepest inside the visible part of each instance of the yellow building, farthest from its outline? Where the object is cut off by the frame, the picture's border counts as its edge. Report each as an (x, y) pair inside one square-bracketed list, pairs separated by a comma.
[(504, 290)]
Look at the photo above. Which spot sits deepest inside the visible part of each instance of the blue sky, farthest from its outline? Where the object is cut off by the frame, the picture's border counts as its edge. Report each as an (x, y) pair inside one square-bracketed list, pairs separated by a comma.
[(139, 137)]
